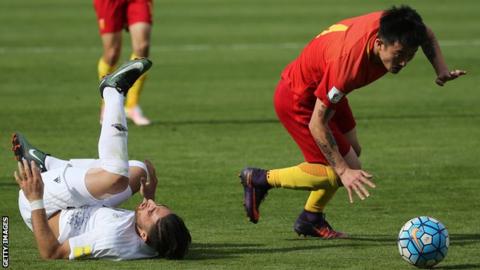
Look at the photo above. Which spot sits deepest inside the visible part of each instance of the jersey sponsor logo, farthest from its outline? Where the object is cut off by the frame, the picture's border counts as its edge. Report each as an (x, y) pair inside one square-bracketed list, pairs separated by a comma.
[(335, 95)]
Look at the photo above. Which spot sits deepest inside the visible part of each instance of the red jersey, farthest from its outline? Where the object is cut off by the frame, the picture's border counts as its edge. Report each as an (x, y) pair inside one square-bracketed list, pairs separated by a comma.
[(336, 62)]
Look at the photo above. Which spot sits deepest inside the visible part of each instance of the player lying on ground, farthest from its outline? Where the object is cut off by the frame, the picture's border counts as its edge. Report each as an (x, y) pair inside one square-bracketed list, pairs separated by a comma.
[(310, 101), (69, 205)]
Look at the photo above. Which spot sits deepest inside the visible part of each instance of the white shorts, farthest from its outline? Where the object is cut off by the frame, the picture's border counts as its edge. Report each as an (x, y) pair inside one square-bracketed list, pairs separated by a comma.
[(64, 188)]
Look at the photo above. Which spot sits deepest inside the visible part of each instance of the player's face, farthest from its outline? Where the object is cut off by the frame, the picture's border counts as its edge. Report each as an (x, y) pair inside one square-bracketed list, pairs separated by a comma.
[(149, 212), (395, 56)]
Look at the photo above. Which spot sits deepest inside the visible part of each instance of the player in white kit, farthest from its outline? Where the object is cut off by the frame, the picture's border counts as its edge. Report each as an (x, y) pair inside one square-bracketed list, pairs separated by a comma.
[(69, 205)]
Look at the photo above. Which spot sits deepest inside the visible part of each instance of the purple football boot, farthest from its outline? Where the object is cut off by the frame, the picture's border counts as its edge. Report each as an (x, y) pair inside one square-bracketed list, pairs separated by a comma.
[(255, 189)]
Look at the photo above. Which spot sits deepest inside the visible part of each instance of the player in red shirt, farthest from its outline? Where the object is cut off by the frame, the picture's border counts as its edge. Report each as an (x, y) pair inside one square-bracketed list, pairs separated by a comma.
[(310, 101), (136, 17)]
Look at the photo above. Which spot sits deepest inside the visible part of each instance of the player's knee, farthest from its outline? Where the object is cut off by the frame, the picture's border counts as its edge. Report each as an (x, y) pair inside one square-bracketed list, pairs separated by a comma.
[(352, 159), (357, 149), (118, 183), (111, 55), (141, 48)]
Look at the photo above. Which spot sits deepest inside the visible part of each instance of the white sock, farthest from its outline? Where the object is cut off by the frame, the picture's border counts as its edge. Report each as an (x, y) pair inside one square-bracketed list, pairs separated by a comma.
[(53, 163), (112, 145), (85, 163)]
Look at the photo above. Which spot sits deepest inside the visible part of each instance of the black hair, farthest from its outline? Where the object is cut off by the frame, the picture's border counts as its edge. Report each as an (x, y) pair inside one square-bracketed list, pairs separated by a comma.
[(170, 237), (404, 25)]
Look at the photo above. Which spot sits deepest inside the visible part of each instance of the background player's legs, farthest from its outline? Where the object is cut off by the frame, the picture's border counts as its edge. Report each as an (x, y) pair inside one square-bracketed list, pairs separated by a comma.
[(140, 35), (112, 46)]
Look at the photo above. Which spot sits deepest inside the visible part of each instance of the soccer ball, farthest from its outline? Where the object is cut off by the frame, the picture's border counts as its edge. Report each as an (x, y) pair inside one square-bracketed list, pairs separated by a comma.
[(423, 241)]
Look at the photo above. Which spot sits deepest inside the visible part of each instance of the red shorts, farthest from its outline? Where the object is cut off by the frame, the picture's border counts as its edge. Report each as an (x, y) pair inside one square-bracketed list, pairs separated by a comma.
[(114, 15), (295, 114)]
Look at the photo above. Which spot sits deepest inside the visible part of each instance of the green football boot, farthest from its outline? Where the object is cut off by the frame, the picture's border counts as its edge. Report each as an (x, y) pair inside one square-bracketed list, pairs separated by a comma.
[(22, 149), (125, 76)]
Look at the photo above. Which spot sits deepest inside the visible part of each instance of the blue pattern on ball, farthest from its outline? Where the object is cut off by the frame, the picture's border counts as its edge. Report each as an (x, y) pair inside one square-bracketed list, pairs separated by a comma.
[(423, 241)]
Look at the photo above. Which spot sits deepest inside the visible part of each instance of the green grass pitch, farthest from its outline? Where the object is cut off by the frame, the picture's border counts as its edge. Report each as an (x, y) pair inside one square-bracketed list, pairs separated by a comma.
[(216, 63)]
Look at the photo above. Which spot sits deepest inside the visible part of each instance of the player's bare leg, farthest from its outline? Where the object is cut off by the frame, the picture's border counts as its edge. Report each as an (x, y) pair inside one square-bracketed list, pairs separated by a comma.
[(352, 138), (140, 36), (112, 47)]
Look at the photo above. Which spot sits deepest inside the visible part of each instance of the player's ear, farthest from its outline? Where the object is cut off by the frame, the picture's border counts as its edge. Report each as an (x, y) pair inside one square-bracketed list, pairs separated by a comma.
[(142, 233), (379, 42)]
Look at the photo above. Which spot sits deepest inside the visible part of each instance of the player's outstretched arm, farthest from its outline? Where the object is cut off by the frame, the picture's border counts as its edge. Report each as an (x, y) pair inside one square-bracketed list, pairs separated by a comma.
[(352, 180), (432, 51), (30, 181)]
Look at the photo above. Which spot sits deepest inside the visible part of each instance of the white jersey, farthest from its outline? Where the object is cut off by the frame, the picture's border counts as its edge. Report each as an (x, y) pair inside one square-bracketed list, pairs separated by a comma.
[(102, 232)]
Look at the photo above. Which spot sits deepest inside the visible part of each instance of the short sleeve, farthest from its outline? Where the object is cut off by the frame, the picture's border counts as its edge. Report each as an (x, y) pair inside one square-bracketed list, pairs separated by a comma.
[(337, 81), (112, 245)]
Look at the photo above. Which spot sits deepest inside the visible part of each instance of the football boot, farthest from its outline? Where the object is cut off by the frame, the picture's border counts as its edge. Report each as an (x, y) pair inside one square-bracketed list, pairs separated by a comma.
[(125, 76), (22, 149), (255, 189), (318, 228)]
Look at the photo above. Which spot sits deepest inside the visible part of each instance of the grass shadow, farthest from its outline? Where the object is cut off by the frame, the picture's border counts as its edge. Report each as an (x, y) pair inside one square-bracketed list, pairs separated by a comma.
[(5, 184), (208, 251), (366, 238), (464, 239), (460, 266)]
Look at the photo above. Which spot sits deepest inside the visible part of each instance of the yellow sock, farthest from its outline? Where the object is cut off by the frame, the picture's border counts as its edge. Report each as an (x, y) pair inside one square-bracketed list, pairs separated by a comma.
[(133, 95), (104, 69), (318, 178), (306, 176), (318, 199)]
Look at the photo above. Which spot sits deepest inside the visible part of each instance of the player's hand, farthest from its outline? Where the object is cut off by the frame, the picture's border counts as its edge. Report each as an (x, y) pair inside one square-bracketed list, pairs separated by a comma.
[(149, 186), (355, 180), (29, 179), (446, 76)]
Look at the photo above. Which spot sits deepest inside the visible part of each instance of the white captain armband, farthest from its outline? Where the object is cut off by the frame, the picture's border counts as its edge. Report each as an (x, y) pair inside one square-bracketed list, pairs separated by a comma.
[(335, 95)]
